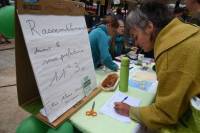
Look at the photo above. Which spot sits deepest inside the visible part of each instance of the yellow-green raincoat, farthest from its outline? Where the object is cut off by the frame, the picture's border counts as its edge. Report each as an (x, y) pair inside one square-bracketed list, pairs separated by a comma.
[(177, 57)]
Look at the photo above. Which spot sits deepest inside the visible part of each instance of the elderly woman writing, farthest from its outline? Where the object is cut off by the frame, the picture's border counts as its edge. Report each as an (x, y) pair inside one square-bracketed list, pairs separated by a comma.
[(177, 57)]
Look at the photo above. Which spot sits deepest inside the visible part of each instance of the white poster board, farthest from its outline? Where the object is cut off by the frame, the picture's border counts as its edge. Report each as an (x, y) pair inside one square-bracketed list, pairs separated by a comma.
[(60, 55)]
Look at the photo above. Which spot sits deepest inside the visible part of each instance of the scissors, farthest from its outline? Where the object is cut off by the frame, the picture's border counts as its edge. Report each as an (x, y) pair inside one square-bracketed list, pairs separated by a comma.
[(91, 112)]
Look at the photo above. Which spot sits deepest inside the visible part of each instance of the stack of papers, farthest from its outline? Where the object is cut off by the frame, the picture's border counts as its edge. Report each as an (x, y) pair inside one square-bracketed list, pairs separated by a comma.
[(108, 107)]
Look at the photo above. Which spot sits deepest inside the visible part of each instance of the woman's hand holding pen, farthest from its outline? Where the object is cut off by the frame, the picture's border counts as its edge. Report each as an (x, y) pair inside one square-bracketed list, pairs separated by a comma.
[(122, 108)]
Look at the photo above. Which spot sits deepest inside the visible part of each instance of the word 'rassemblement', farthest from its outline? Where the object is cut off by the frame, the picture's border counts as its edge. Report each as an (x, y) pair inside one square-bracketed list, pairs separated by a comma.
[(45, 31)]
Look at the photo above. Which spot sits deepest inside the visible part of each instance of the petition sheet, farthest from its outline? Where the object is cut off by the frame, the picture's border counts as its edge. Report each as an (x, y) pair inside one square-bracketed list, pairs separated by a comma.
[(108, 107)]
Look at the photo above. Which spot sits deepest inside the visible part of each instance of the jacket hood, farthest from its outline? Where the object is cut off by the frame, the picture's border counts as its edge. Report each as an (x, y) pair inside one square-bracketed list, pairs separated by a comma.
[(103, 27), (174, 33)]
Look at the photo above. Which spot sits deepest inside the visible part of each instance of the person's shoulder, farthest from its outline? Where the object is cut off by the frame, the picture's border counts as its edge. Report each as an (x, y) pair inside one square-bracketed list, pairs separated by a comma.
[(95, 33), (97, 30)]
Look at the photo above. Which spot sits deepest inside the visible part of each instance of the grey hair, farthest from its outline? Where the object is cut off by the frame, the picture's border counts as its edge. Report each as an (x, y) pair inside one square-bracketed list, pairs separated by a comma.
[(137, 18), (152, 11)]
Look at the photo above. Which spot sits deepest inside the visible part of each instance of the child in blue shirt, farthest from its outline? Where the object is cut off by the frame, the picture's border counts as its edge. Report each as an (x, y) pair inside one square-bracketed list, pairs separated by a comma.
[(99, 41)]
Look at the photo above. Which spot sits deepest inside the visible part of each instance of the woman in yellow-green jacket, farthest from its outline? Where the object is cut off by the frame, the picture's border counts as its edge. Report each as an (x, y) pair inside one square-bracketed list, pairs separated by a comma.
[(177, 55)]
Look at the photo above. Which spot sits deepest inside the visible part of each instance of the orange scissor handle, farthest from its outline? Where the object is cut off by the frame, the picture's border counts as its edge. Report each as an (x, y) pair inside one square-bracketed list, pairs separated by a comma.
[(91, 113)]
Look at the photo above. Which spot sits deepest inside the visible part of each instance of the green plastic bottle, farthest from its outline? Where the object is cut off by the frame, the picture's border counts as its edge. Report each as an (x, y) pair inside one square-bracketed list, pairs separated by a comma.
[(124, 74)]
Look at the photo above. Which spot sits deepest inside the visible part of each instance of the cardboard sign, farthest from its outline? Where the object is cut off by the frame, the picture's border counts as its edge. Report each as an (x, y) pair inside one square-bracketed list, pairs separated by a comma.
[(58, 61)]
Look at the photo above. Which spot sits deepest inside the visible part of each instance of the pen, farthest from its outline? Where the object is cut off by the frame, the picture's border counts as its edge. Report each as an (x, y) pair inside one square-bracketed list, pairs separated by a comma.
[(93, 105), (124, 99), (130, 68)]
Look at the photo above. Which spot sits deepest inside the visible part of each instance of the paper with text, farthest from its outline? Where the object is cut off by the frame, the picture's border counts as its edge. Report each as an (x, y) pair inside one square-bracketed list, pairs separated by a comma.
[(60, 55), (108, 107)]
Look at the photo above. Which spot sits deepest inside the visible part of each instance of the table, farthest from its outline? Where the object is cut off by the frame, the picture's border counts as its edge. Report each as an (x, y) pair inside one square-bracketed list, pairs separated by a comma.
[(102, 123)]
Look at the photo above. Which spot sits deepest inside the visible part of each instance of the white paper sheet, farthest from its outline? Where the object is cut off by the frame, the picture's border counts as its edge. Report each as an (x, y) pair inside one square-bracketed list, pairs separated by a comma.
[(60, 55), (108, 107)]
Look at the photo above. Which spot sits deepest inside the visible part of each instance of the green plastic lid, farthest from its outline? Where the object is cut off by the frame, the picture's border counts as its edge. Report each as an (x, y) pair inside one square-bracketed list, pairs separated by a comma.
[(125, 61)]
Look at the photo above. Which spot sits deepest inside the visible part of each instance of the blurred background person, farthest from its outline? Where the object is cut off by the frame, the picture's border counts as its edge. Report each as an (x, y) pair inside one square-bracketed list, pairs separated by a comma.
[(118, 43), (194, 8), (100, 38), (4, 3)]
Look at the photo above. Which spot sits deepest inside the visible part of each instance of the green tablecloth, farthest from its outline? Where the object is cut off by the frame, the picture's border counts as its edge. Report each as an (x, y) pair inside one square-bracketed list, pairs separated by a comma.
[(102, 123)]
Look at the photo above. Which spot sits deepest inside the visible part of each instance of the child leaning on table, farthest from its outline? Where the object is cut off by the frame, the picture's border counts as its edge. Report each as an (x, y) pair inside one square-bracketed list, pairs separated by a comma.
[(99, 38)]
